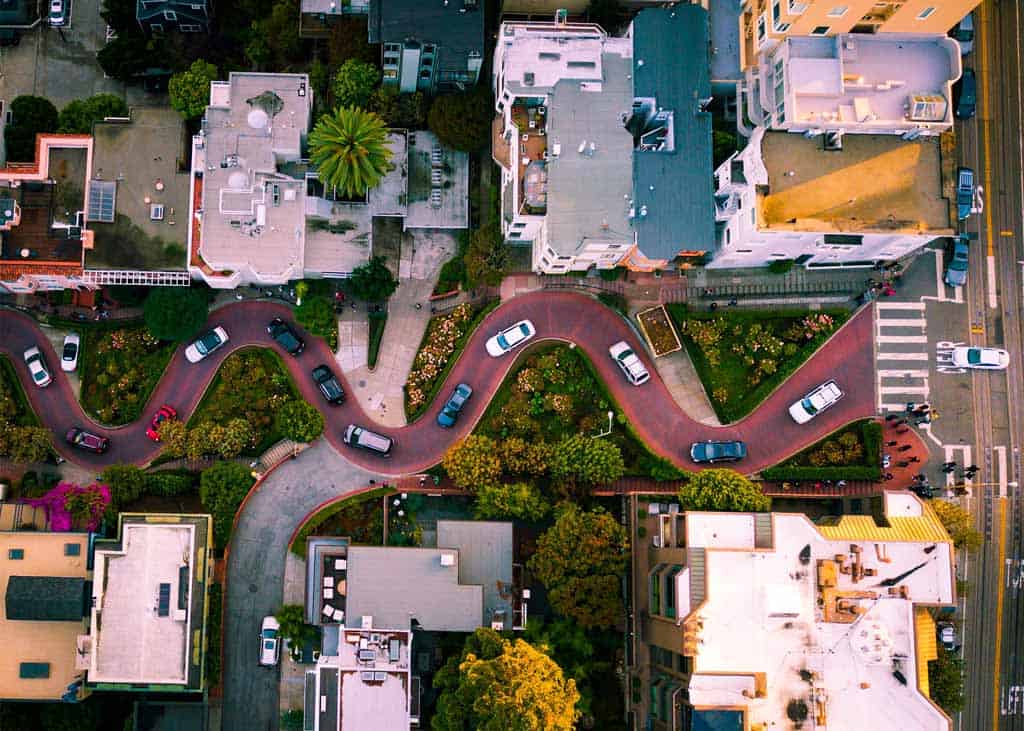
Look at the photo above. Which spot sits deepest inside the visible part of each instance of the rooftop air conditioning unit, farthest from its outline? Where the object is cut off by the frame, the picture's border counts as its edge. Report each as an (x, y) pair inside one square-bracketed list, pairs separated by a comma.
[(447, 559)]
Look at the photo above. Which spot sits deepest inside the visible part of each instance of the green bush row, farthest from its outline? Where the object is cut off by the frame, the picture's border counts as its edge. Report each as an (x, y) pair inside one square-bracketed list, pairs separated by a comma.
[(852, 472), (298, 545)]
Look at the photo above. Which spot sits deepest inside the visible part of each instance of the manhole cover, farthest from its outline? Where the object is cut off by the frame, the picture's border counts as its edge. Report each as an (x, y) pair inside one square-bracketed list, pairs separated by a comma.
[(253, 588), (362, 384)]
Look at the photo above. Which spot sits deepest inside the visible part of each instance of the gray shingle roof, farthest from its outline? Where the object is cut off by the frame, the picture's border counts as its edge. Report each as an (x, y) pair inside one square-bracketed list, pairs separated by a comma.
[(45, 598), (672, 44), (455, 26)]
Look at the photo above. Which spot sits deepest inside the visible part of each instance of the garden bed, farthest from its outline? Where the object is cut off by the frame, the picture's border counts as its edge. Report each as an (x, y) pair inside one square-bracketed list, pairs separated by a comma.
[(360, 518), (378, 321), (119, 368), (658, 331), (851, 453), (742, 357), (14, 405), (442, 344)]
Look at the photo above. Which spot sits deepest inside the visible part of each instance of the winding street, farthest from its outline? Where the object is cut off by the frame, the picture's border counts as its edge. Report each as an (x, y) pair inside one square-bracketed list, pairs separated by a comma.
[(769, 432)]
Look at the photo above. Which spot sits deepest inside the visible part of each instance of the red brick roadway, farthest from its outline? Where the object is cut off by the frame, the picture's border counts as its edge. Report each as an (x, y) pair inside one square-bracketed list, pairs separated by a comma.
[(769, 432)]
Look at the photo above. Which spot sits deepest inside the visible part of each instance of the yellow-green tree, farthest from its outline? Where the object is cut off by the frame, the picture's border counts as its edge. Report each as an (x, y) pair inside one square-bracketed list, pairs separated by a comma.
[(724, 490), (499, 685), (958, 523), (473, 462)]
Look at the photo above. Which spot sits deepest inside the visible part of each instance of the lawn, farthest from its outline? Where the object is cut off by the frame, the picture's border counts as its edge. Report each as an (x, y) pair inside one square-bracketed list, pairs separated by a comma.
[(253, 384), (119, 368), (14, 406), (850, 453), (741, 357)]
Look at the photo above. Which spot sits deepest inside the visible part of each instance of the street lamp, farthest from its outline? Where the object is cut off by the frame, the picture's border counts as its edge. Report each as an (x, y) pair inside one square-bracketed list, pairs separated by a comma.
[(611, 415)]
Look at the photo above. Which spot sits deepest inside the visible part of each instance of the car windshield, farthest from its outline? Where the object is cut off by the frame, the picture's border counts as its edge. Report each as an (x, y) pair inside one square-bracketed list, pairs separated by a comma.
[(959, 264), (502, 341), (207, 343), (269, 634), (69, 351), (809, 406)]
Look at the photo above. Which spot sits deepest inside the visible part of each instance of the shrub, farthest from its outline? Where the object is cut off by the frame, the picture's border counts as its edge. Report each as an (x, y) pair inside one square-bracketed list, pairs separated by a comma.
[(373, 281), (781, 266), (519, 501), (354, 83), (127, 483), (300, 422), (222, 488), (473, 462), (316, 314), (377, 321), (821, 473), (586, 461), (462, 121), (174, 313), (722, 489), (213, 634), (616, 301)]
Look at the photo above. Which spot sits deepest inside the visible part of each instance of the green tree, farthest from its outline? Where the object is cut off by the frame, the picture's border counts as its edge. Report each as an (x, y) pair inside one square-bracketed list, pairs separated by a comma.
[(29, 444), (222, 488), (725, 490), (348, 40), (473, 462), (173, 437), (520, 500), (316, 314), (126, 55), (463, 121), (238, 436), (487, 256), (405, 111), (292, 618), (30, 115), (958, 523), (273, 39), (585, 460), (946, 681), (348, 147), (354, 83), (581, 560), (174, 313), (127, 484), (79, 116), (299, 421), (189, 90), (196, 441), (580, 658), (373, 281), (499, 685)]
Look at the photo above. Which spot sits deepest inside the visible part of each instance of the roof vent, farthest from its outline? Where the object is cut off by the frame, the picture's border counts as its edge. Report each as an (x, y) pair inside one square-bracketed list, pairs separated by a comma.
[(528, 78), (447, 559)]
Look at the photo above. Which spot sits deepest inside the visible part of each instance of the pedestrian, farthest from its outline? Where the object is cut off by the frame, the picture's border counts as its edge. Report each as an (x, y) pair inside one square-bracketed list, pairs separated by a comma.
[(903, 464), (923, 408), (949, 464), (904, 448), (890, 417), (902, 429), (910, 406), (922, 420), (714, 306), (972, 468), (901, 422), (915, 459), (733, 303), (947, 470), (889, 476), (892, 443)]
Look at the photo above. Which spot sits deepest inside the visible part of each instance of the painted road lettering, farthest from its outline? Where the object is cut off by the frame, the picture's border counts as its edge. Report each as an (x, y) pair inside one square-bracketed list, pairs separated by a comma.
[(944, 357), (1014, 572), (1011, 700)]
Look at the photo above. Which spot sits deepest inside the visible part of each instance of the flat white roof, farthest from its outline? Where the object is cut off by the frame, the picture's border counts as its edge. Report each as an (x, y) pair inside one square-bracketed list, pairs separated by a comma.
[(132, 643), (762, 615)]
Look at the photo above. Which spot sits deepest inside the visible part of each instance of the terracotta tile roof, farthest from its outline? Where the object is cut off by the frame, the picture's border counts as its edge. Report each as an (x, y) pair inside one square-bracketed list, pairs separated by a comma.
[(11, 271)]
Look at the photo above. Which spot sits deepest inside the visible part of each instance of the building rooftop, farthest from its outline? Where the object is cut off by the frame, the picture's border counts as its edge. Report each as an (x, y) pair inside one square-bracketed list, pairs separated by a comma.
[(149, 602), (674, 184), (876, 183), (395, 585), (437, 201), (457, 26), (828, 622), (43, 582), (485, 553), (252, 212), (867, 79)]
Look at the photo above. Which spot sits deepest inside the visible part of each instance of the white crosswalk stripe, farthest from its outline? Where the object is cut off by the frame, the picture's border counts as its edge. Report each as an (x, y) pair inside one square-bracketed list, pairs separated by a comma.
[(900, 337)]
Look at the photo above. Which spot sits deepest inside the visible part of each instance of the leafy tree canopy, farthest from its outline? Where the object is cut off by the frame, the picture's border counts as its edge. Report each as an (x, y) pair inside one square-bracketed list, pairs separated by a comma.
[(946, 681), (463, 121), (486, 256), (348, 147), (30, 115), (405, 111), (473, 462), (725, 490), (373, 281), (354, 83), (586, 460), (520, 500), (190, 90), (174, 313), (958, 523), (79, 116), (299, 421), (222, 488)]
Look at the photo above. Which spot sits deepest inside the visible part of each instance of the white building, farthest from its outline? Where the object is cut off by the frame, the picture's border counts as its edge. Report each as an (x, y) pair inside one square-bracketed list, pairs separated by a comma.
[(894, 83), (785, 196)]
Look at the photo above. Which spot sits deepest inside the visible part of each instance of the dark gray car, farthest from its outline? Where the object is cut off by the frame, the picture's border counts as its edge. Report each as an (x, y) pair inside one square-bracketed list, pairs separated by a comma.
[(711, 452), (956, 271)]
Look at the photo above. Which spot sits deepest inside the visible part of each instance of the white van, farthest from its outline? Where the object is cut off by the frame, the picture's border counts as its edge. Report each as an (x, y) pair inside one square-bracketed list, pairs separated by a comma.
[(357, 436)]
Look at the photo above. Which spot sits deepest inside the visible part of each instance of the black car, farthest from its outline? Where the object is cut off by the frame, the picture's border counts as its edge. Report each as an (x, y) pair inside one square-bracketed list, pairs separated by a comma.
[(712, 452), (285, 336), (965, 95), (328, 384)]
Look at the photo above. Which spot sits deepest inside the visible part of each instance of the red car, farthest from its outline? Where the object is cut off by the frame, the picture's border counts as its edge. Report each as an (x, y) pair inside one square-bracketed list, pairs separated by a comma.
[(86, 440), (165, 412)]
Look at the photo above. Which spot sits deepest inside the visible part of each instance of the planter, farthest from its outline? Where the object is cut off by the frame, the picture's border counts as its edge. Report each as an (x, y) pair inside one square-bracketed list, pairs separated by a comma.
[(658, 330)]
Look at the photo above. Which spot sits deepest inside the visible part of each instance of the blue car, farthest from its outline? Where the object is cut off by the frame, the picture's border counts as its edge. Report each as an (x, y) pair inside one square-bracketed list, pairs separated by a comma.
[(712, 452), (451, 410)]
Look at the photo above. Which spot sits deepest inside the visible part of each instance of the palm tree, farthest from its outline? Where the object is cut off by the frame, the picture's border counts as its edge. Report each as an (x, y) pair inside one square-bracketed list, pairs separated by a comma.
[(348, 148)]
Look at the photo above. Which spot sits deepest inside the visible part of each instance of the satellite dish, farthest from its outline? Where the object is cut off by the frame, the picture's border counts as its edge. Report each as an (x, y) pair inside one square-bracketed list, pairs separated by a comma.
[(257, 119)]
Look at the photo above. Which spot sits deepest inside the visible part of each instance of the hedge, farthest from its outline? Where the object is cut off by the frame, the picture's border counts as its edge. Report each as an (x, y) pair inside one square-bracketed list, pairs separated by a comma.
[(298, 545), (854, 472)]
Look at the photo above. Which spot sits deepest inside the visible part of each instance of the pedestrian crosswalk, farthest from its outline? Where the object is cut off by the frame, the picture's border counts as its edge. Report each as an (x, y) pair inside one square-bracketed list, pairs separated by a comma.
[(901, 354)]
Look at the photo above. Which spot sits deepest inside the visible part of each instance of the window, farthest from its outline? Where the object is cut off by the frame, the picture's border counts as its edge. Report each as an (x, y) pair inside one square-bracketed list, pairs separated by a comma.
[(782, 28), (925, 13), (821, 30), (796, 8), (843, 240), (390, 59), (156, 27), (170, 15), (515, 235), (429, 48), (188, 28), (655, 597), (760, 28), (72, 549), (392, 48), (15, 554), (838, 11), (425, 74)]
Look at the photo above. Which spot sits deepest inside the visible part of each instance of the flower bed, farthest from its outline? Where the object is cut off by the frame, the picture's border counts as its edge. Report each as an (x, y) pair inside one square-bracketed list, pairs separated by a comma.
[(70, 507), (741, 357), (851, 453), (657, 329), (119, 370)]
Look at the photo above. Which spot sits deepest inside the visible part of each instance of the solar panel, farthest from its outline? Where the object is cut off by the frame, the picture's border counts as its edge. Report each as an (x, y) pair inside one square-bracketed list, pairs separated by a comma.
[(102, 195)]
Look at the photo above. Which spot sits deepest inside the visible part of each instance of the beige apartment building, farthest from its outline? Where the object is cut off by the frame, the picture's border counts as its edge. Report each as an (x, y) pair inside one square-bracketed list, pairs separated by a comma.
[(763, 23)]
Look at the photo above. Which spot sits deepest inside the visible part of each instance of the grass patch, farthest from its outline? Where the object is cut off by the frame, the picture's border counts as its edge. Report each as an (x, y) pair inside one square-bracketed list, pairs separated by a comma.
[(316, 314), (14, 405), (850, 453), (350, 509), (251, 383), (377, 320), (430, 386), (742, 357), (616, 301), (213, 617), (119, 368)]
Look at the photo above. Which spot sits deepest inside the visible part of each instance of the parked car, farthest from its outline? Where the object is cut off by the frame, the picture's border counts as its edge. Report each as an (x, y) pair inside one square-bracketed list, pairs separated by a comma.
[(508, 339), (57, 15), (206, 344), (963, 33), (991, 359), (956, 271), (270, 642), (964, 193), (357, 436), (815, 402), (69, 354), (285, 336), (164, 413), (453, 407), (87, 441), (965, 95), (37, 368), (328, 384), (630, 363), (9, 37), (711, 452), (947, 636)]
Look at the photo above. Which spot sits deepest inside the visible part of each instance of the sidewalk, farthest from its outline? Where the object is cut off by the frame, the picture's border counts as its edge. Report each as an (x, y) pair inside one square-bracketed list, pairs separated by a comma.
[(380, 391)]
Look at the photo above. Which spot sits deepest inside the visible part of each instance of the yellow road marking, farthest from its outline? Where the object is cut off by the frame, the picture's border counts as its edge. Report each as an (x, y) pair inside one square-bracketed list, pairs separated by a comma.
[(983, 73), (999, 612), (1006, 233)]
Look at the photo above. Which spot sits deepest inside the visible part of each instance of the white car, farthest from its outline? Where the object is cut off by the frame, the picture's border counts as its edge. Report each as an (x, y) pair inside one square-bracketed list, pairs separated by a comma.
[(815, 402), (69, 355), (37, 368), (995, 359), (630, 363), (508, 339), (205, 345), (270, 642), (57, 17)]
